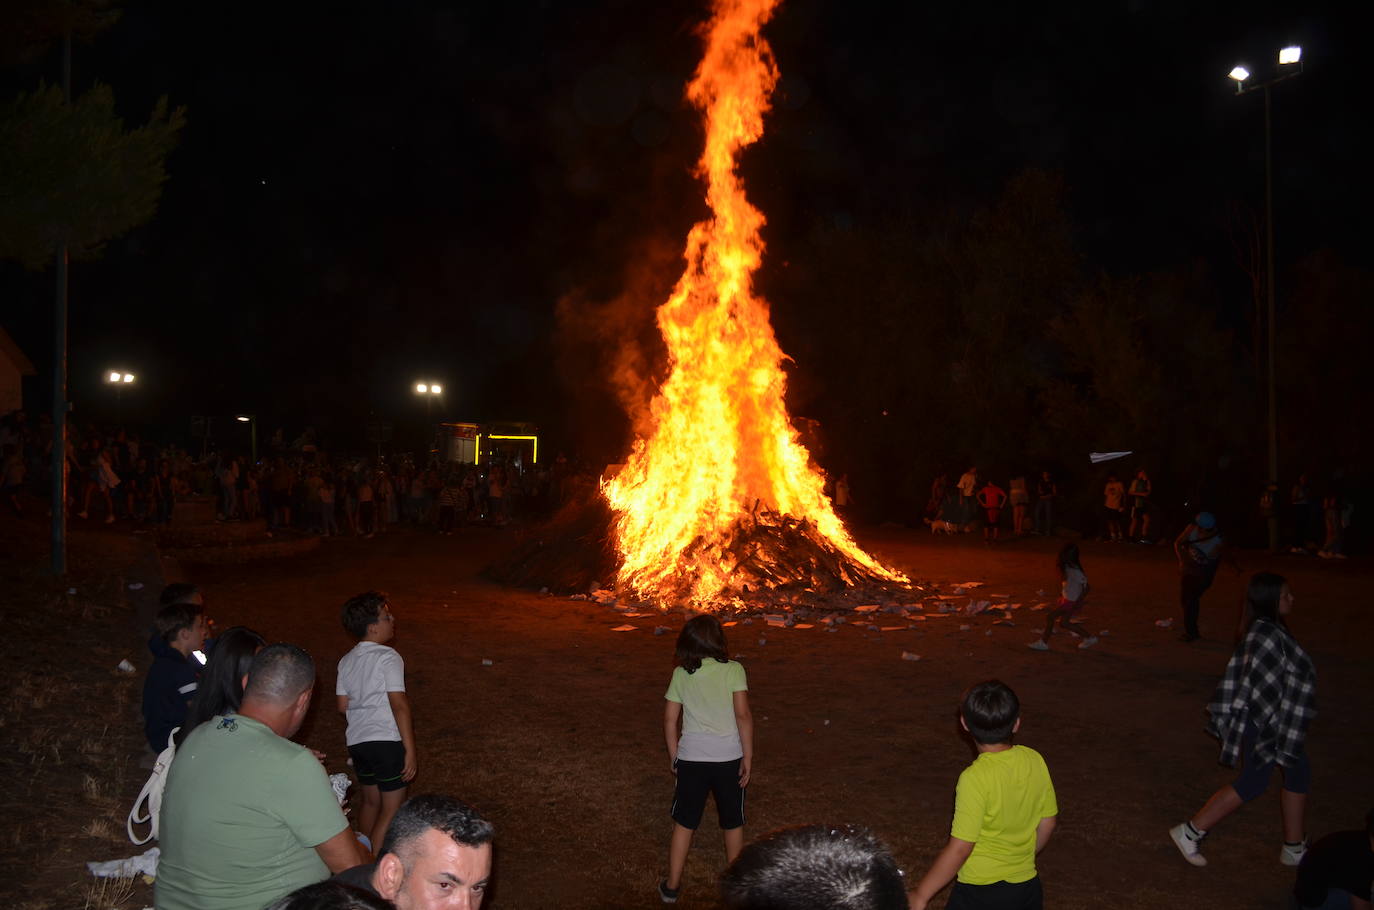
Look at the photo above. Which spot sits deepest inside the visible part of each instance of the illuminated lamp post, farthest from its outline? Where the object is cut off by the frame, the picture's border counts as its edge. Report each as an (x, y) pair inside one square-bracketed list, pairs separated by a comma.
[(252, 421), (1290, 65), (119, 379)]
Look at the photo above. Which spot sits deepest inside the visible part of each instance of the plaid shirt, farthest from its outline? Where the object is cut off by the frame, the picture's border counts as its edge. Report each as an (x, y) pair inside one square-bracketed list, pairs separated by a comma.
[(1270, 684)]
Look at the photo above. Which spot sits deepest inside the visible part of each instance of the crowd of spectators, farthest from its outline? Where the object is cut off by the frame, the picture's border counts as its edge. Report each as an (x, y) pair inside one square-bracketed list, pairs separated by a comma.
[(113, 474)]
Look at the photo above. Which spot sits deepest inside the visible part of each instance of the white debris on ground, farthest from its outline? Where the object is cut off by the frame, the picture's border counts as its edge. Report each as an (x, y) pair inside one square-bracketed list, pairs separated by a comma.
[(143, 864)]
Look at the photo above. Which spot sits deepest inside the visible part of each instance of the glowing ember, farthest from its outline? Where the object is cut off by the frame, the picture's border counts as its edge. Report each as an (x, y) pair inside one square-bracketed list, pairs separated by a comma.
[(722, 499)]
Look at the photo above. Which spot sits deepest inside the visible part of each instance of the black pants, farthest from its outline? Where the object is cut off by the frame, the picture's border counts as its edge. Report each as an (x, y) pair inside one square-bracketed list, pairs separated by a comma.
[(997, 896), (1191, 589)]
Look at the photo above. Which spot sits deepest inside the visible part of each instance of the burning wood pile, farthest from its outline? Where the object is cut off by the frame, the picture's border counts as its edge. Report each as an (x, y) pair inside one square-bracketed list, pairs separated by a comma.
[(720, 501)]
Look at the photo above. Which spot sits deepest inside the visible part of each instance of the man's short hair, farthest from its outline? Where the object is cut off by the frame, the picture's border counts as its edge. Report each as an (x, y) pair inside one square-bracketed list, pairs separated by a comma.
[(177, 592), (329, 895), (990, 710), (279, 674), (815, 867), (419, 814), (361, 611), (171, 619)]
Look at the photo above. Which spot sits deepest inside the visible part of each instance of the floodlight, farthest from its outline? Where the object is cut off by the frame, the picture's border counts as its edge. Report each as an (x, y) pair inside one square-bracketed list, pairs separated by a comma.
[(1290, 54), (435, 389), (421, 388), (1240, 74), (242, 419), (128, 377), (114, 376)]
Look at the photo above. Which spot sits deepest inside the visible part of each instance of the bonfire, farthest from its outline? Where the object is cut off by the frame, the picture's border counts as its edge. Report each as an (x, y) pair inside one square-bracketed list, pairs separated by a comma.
[(719, 504)]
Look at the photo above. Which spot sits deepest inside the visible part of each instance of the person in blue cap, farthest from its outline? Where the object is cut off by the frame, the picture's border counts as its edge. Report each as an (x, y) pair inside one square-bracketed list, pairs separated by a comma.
[(1199, 549)]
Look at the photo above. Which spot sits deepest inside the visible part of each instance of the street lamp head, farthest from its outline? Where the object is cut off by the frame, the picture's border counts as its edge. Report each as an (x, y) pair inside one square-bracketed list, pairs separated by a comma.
[(128, 377), (1240, 74), (1291, 54), (421, 388), (243, 418), (113, 377), (435, 389)]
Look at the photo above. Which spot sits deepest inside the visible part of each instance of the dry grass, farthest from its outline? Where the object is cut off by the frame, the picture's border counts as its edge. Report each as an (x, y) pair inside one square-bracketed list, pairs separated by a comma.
[(109, 893), (71, 722)]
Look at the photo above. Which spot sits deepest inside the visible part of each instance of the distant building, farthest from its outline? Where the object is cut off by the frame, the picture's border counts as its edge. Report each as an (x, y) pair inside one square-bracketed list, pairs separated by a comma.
[(14, 366)]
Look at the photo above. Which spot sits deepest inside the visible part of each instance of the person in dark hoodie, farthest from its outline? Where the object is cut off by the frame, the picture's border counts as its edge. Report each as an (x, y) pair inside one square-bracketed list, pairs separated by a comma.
[(178, 631)]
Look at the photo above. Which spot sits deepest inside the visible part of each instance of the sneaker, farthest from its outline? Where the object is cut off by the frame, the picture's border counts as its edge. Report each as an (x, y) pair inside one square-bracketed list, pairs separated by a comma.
[(1039, 645), (1087, 642), (1188, 636), (1186, 845), (666, 894), (1292, 854)]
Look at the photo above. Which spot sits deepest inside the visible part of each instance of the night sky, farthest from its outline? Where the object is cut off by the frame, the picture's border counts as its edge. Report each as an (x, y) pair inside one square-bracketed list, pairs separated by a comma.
[(400, 191)]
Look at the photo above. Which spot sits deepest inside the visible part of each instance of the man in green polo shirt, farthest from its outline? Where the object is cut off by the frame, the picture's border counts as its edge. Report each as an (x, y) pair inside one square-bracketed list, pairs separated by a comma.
[(248, 815)]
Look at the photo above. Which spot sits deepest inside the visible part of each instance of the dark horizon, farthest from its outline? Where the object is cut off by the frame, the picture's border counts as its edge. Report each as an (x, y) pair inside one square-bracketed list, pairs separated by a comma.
[(376, 198)]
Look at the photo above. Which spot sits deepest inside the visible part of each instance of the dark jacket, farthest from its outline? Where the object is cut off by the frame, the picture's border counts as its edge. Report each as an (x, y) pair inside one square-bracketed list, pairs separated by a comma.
[(168, 690)]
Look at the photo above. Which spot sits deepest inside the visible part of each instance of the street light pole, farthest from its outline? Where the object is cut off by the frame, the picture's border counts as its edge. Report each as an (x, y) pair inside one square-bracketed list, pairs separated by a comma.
[(1289, 56), (1269, 290)]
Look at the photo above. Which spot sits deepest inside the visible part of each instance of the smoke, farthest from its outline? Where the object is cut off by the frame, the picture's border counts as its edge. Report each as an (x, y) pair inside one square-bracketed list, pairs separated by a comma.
[(610, 355)]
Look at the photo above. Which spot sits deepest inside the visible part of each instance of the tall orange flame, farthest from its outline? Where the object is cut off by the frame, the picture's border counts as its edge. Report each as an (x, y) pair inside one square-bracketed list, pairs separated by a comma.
[(721, 447)]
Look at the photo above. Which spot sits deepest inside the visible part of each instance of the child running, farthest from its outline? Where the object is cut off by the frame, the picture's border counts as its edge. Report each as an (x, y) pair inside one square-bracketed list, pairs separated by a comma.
[(1004, 813), (1073, 588), (371, 693), (709, 695)]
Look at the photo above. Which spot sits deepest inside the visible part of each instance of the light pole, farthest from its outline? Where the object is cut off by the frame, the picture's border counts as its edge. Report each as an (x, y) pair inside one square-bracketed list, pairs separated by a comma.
[(429, 391), (252, 421), (119, 379), (1290, 66)]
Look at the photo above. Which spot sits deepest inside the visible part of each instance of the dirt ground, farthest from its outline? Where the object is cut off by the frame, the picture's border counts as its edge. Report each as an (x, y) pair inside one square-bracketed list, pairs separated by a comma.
[(559, 739)]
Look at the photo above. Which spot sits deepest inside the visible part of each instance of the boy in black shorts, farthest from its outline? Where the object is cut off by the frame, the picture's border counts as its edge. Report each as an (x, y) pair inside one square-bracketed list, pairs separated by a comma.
[(371, 693)]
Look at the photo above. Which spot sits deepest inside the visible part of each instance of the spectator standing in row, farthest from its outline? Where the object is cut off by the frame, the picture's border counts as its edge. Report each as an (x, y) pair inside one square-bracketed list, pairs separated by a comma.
[(1046, 492), (1139, 493), (1113, 501), (968, 486), (1020, 499), (992, 498)]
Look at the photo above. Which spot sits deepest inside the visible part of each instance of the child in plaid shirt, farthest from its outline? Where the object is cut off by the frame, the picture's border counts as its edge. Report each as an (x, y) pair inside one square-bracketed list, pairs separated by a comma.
[(1261, 710)]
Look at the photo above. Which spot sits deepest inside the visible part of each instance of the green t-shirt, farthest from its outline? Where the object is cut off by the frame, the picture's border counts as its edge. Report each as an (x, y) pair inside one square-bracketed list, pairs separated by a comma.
[(707, 696), (241, 816), (998, 803)]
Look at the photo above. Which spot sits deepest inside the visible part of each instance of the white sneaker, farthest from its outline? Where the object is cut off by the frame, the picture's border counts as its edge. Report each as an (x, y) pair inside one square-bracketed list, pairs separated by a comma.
[(1292, 854), (1186, 845), (1039, 645), (1087, 642)]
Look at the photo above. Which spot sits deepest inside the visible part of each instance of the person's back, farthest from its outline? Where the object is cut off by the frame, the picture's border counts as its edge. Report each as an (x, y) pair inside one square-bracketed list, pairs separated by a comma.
[(1004, 813), (247, 815)]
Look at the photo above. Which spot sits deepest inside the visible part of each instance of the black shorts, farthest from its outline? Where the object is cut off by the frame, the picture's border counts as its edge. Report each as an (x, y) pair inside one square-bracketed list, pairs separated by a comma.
[(997, 896), (379, 764), (697, 778)]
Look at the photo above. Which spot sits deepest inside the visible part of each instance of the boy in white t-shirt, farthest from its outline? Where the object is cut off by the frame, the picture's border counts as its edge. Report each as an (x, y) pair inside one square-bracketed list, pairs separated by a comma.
[(371, 692)]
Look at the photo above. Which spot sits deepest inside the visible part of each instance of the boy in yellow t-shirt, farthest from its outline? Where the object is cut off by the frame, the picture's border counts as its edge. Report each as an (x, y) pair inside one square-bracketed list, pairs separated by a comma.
[(1004, 813)]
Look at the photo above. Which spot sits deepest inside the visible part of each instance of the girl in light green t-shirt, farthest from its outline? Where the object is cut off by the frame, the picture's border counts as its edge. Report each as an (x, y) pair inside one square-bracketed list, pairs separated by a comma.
[(708, 697)]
